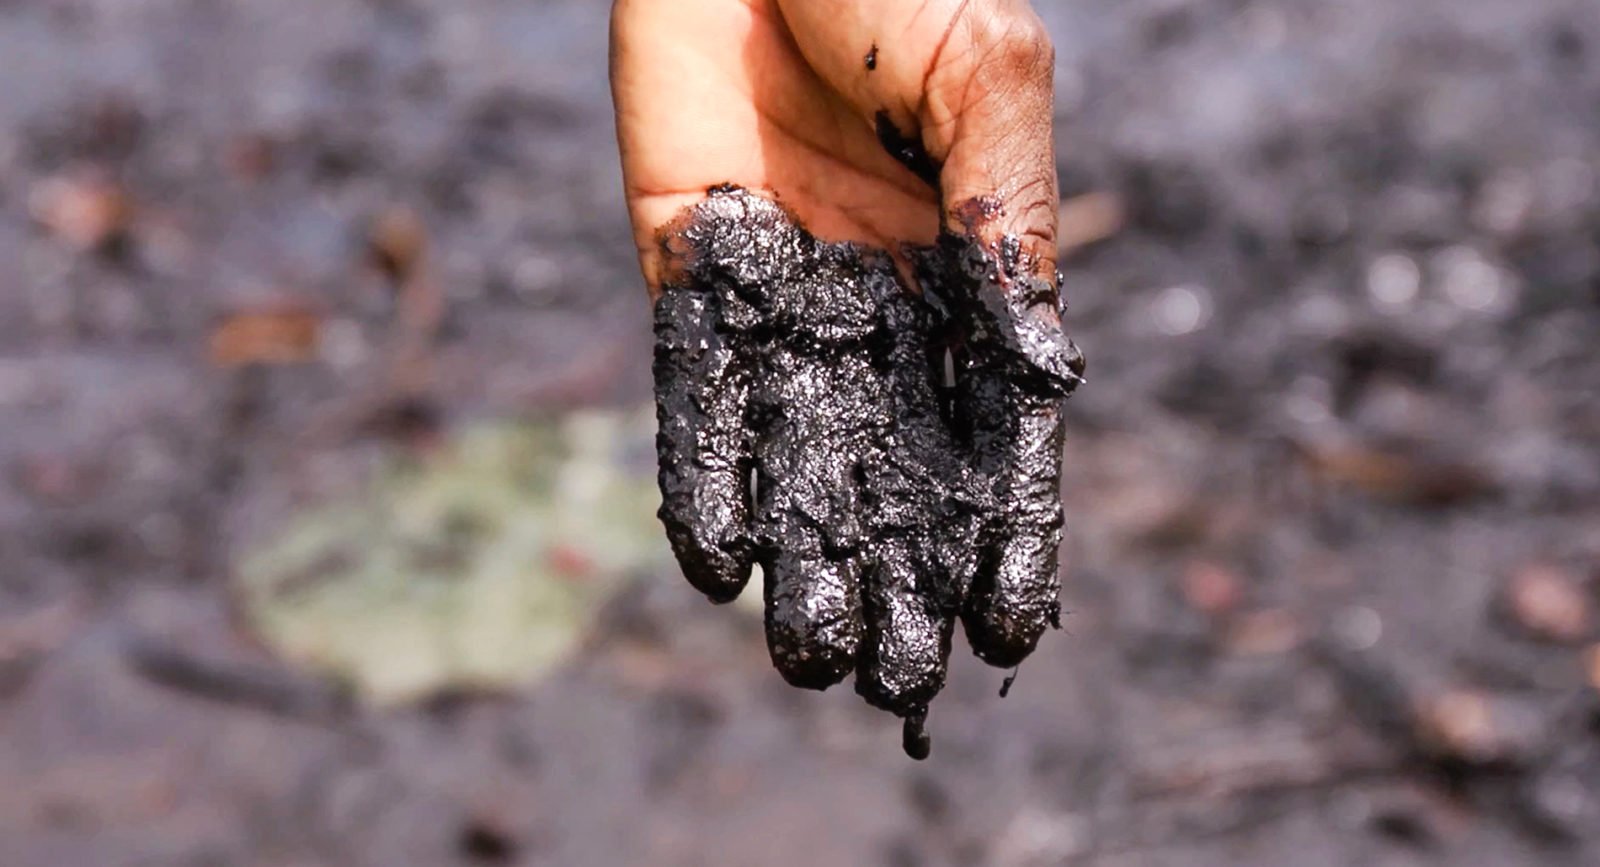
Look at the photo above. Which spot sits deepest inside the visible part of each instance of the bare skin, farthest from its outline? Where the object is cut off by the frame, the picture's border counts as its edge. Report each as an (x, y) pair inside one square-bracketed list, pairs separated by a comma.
[(777, 96)]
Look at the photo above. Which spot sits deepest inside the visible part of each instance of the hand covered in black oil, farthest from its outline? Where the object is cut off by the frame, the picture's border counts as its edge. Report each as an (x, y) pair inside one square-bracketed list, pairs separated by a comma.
[(890, 459)]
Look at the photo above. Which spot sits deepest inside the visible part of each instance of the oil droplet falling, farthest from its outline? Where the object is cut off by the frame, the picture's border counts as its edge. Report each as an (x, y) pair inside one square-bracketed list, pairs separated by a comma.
[(914, 738)]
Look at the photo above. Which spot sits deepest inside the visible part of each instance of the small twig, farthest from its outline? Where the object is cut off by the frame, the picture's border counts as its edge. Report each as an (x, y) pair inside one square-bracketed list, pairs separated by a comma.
[(273, 690)]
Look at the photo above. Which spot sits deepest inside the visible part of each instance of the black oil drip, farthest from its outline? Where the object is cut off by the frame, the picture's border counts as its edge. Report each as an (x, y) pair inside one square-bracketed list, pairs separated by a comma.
[(1010, 681), (906, 149), (914, 738), (886, 505)]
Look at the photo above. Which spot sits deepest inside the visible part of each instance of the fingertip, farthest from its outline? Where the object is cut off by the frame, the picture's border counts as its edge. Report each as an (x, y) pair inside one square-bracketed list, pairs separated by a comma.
[(706, 516), (907, 648), (813, 619), (1012, 603), (720, 571)]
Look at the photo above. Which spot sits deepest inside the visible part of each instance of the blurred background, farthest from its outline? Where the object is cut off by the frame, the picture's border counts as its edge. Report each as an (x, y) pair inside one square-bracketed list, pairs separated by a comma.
[(326, 475)]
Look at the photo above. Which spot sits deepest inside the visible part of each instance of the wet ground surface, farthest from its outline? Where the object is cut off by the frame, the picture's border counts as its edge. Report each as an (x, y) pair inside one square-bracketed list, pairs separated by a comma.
[(1333, 490)]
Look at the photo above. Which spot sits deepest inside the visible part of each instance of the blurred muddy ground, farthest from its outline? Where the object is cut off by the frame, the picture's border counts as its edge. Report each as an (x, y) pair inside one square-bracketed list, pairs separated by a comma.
[(286, 280)]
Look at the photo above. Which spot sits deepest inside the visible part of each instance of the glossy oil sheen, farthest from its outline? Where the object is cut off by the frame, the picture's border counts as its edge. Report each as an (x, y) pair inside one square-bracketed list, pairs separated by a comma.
[(804, 425)]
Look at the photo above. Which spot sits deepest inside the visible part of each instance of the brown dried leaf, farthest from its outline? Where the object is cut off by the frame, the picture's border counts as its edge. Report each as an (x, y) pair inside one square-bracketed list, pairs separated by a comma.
[(86, 210), (1549, 603), (1211, 589), (1458, 723), (1398, 476), (1475, 727), (396, 243), (1266, 632), (274, 335)]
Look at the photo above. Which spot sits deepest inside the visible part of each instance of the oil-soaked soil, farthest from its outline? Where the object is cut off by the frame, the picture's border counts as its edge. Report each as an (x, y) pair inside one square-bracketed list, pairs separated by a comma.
[(1332, 498)]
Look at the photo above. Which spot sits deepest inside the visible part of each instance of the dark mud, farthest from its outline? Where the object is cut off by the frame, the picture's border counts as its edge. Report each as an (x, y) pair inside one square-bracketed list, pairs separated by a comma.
[(805, 425)]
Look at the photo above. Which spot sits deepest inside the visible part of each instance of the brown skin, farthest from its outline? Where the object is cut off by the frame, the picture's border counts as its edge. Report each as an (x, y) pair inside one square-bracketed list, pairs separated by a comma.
[(776, 96)]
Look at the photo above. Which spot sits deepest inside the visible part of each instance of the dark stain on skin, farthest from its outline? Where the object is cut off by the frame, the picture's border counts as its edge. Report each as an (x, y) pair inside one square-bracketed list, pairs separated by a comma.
[(907, 150), (977, 212), (885, 506), (872, 57)]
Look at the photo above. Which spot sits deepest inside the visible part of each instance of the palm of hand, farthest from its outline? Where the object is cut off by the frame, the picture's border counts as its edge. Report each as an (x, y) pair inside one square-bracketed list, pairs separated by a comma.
[(780, 97), (761, 118)]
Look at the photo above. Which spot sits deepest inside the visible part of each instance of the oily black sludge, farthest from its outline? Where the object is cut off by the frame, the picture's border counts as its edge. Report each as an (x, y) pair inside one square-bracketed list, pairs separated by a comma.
[(805, 424)]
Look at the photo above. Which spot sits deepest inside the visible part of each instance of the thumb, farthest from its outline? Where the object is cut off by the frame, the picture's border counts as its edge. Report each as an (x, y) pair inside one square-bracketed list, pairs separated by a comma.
[(962, 93), (987, 116)]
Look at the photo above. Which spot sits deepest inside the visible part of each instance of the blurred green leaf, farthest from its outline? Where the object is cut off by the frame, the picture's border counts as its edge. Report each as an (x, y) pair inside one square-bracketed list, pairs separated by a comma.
[(478, 567)]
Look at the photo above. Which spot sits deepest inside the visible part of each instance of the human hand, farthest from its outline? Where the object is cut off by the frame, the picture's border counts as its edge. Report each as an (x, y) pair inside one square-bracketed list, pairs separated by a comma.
[(885, 501)]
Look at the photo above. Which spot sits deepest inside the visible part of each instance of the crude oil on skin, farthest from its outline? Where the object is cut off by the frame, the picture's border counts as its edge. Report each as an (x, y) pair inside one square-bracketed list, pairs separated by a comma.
[(907, 150), (805, 425)]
